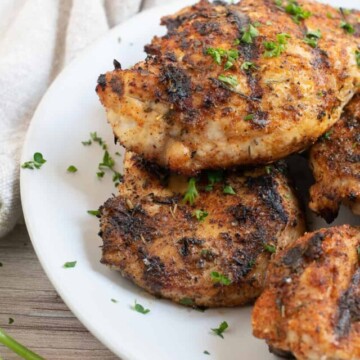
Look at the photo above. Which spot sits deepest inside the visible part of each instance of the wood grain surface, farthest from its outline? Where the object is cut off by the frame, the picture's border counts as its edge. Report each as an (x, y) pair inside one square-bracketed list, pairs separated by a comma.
[(41, 320)]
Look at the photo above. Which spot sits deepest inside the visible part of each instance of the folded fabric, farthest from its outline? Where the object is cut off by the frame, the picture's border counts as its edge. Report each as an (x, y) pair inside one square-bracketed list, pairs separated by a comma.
[(37, 39)]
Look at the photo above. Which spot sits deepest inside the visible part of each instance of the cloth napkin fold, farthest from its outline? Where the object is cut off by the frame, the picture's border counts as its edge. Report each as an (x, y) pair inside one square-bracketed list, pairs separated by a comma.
[(37, 39)]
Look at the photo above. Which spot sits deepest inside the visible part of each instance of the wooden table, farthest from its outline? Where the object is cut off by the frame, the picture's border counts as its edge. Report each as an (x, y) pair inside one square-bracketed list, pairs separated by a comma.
[(42, 321)]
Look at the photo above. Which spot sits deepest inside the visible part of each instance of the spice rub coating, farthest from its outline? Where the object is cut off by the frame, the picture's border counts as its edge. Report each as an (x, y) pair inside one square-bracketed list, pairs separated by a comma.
[(335, 160), (188, 110), (164, 246), (310, 307)]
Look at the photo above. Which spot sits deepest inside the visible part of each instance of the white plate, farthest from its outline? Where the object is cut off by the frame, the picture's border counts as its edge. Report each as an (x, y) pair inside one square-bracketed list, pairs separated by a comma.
[(55, 204)]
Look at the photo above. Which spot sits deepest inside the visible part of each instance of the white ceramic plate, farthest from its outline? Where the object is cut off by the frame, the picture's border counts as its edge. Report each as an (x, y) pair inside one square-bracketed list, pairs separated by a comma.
[(55, 205)]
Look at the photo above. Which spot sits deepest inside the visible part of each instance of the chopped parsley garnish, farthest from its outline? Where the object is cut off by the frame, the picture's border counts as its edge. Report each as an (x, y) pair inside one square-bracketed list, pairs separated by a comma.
[(86, 143), (216, 277), (108, 163), (140, 309), (229, 80), (345, 11), (37, 162), (186, 301), (1, 264), (94, 212), (237, 42), (11, 321), (297, 12), (206, 352), (17, 348), (248, 65), (229, 190), (357, 57), (191, 192), (219, 331), (275, 49), (114, 301), (268, 169), (249, 117), (72, 169), (214, 176), (347, 27), (100, 174), (270, 248), (249, 34), (218, 54), (69, 264), (312, 38), (94, 136), (327, 135), (200, 215), (329, 15)]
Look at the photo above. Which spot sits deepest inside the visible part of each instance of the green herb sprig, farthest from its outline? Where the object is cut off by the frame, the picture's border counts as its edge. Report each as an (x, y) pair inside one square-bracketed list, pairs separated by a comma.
[(220, 330), (140, 309), (191, 193), (275, 49), (219, 54), (37, 162), (249, 34), (216, 277), (312, 38)]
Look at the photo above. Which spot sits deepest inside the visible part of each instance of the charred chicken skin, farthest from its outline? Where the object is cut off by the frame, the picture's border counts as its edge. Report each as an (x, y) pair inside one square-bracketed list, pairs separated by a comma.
[(335, 160), (239, 84), (212, 253), (311, 304)]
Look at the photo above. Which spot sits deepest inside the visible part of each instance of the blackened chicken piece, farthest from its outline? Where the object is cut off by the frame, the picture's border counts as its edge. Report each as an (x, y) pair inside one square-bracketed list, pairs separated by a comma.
[(310, 308), (235, 84), (212, 253), (335, 160)]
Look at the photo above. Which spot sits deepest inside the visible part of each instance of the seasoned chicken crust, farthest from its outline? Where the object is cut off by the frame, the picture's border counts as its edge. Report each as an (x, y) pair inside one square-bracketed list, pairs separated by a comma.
[(183, 110), (311, 305), (335, 160), (154, 239)]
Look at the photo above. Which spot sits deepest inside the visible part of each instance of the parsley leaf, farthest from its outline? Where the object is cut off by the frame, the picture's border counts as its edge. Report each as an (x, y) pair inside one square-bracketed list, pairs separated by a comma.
[(248, 65), (94, 136), (270, 248), (347, 27), (140, 309), (249, 117), (108, 163), (249, 34), (229, 190), (327, 135), (37, 162), (216, 277), (86, 143), (11, 321), (72, 169), (312, 38), (357, 57), (69, 264), (206, 352), (219, 331), (114, 301), (297, 12), (200, 214), (275, 49), (214, 176), (229, 80), (218, 54), (186, 301), (94, 212), (191, 192)]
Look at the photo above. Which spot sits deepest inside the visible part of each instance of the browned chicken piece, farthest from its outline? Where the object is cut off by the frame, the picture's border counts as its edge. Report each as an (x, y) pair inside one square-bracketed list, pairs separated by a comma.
[(212, 253), (311, 304), (235, 84), (335, 160)]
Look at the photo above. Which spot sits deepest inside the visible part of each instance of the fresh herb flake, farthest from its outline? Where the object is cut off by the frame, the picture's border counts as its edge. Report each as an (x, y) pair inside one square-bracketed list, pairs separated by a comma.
[(270, 248), (37, 162), (357, 57), (206, 352), (248, 65), (114, 301), (327, 135), (186, 301), (200, 215), (191, 192), (348, 28), (219, 54), (222, 327), (249, 117), (11, 321), (214, 176), (86, 143), (140, 309), (229, 80), (249, 34), (94, 212), (229, 190), (312, 38), (216, 277), (69, 264), (72, 169), (297, 12), (275, 49)]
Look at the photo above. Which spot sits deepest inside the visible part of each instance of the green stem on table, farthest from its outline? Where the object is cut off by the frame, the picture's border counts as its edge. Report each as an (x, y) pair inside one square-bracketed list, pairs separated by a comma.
[(17, 348)]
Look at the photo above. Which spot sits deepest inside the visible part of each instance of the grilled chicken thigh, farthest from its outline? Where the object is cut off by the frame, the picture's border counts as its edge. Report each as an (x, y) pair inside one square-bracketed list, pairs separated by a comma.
[(335, 160), (212, 253), (311, 305), (235, 84)]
